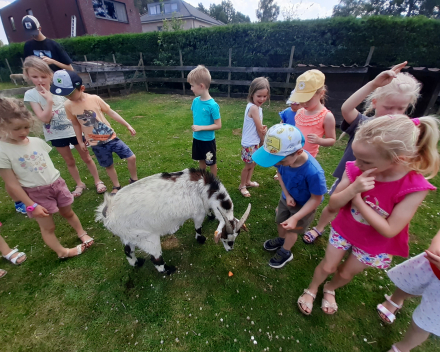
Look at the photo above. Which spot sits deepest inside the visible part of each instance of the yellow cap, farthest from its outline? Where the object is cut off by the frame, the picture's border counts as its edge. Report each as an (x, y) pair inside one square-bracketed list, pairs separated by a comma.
[(306, 86)]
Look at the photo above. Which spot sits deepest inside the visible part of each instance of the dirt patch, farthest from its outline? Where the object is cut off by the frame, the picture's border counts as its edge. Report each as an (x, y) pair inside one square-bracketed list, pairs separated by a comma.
[(138, 117), (236, 132), (170, 242)]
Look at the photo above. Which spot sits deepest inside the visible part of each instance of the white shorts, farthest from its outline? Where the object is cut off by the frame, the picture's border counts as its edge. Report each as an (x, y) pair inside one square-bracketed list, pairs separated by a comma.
[(416, 277)]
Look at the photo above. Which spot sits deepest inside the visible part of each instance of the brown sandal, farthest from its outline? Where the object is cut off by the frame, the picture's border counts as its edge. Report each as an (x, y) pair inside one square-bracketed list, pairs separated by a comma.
[(78, 191)]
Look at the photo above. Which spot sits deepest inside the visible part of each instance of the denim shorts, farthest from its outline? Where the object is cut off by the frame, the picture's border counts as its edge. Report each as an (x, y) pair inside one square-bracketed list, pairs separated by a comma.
[(104, 152)]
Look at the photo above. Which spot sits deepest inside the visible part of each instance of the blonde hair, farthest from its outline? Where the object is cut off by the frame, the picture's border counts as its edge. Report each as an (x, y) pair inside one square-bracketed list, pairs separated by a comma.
[(412, 142), (200, 75), (404, 84), (258, 84), (14, 109), (37, 64)]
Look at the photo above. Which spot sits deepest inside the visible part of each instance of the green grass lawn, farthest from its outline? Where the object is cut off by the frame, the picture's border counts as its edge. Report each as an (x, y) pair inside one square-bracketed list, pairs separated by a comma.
[(98, 302), (9, 85)]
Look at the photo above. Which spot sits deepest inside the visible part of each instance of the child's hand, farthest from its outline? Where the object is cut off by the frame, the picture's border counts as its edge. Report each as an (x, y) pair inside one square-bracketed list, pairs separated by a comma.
[(48, 60), (433, 258), (290, 201), (45, 94), (290, 224), (40, 212), (83, 147), (264, 129), (132, 130), (385, 77), (364, 182), (313, 138), (196, 128)]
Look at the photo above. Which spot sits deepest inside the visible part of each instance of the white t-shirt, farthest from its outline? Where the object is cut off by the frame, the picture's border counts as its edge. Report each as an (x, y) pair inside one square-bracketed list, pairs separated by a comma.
[(31, 162), (250, 135), (60, 126)]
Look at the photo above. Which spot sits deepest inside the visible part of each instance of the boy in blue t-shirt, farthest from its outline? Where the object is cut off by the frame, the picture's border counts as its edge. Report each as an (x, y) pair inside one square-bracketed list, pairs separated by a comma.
[(303, 187), (206, 115), (288, 115)]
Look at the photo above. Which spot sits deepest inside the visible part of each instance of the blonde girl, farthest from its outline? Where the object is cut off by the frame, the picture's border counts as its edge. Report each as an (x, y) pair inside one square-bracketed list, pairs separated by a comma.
[(391, 92), (29, 175), (57, 127), (253, 131), (377, 197)]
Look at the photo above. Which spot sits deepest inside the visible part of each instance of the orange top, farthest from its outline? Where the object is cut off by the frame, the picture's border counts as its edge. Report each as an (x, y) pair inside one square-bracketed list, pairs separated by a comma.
[(308, 124)]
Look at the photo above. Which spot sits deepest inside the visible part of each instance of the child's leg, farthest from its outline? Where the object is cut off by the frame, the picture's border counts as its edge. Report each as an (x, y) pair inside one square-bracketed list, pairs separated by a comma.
[(324, 220), (202, 164), (68, 214), (111, 172), (5, 250), (131, 165), (213, 169), (67, 155), (414, 337), (85, 156), (398, 297), (246, 174), (289, 237)]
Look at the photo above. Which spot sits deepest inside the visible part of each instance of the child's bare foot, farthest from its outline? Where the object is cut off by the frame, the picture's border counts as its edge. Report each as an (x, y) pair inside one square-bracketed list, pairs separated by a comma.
[(15, 257), (86, 239), (2, 273), (305, 302), (244, 191), (73, 252), (329, 305), (387, 310), (115, 190)]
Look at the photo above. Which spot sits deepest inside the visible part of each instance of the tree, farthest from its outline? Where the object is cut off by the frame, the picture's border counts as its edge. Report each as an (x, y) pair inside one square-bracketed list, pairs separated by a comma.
[(292, 11), (267, 11), (224, 12)]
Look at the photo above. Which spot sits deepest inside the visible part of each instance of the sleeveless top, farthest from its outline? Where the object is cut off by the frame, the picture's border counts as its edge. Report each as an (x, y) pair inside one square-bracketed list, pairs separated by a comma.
[(311, 124), (351, 225), (250, 135)]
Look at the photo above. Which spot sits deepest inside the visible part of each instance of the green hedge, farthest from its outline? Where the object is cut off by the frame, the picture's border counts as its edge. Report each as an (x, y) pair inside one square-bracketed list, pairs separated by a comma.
[(327, 41)]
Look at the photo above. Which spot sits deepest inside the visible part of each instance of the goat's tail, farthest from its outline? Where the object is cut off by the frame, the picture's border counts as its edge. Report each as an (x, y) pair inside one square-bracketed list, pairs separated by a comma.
[(104, 209)]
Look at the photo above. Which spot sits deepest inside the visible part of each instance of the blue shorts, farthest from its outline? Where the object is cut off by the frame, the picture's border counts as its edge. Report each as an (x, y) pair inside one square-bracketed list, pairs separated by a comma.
[(104, 152)]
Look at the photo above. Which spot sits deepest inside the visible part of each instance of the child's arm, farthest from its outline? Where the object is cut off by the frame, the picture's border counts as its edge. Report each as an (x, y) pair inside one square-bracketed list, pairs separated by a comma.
[(311, 205), (289, 199), (118, 118), (17, 192), (44, 114), (348, 109), (254, 112), (329, 131), (62, 66), (346, 191), (433, 252), (401, 215), (77, 128), (215, 126)]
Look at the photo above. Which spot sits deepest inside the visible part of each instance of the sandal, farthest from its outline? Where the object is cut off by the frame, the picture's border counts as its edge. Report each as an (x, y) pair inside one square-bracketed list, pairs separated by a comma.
[(14, 260), (132, 181), (390, 316), (79, 250), (100, 187), (253, 184), (275, 177), (2, 273), (89, 242), (307, 304), (115, 188), (245, 193), (308, 238), (395, 349), (327, 304), (79, 190)]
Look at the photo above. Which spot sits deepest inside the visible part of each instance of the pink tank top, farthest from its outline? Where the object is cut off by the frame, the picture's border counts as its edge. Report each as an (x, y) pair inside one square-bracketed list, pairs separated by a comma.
[(311, 124), (350, 224)]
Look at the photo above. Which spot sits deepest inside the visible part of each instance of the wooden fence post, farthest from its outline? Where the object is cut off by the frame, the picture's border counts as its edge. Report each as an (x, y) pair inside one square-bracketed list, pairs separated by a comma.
[(229, 73), (289, 74), (7, 63), (135, 75), (370, 54), (114, 59), (143, 71), (181, 72), (85, 58)]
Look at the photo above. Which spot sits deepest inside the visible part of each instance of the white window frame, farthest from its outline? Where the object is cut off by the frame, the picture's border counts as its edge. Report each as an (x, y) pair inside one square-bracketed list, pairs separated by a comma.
[(170, 7), (156, 7), (115, 4), (12, 22)]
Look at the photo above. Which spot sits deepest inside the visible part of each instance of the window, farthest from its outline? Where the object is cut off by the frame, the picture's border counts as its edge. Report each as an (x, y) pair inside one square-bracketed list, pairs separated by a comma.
[(154, 9), (29, 12), (110, 10), (11, 21), (169, 8)]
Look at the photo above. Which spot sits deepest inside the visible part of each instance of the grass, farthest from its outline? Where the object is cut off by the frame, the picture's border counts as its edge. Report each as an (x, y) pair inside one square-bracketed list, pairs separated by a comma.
[(97, 302), (9, 85)]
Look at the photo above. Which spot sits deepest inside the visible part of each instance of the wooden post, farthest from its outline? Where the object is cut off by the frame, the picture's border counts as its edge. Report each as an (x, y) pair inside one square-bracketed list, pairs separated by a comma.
[(229, 73), (289, 74), (7, 63), (22, 62), (143, 71), (134, 76), (114, 59), (181, 72), (108, 88), (370, 54), (85, 58)]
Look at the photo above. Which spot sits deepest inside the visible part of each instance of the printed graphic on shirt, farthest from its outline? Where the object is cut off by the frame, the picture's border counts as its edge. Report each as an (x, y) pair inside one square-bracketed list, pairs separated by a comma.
[(43, 53), (34, 162), (59, 122), (96, 132), (375, 206)]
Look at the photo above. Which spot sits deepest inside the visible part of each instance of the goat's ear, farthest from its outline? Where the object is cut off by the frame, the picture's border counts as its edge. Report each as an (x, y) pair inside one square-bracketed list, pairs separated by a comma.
[(244, 227), (217, 235)]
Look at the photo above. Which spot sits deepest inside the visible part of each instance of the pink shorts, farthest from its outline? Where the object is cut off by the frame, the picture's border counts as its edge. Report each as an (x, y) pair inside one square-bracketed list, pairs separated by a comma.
[(52, 197)]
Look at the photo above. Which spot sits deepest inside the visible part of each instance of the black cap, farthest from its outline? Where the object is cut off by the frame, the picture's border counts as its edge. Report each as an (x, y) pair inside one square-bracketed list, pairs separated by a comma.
[(65, 82), (31, 25)]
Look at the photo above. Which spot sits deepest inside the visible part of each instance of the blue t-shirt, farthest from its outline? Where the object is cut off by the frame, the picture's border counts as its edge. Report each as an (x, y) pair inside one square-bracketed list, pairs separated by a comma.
[(204, 114), (288, 116), (304, 180)]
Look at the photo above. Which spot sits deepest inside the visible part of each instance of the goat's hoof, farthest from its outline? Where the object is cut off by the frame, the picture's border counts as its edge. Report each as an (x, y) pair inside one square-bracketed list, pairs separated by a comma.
[(170, 269), (139, 262), (201, 239), (211, 217)]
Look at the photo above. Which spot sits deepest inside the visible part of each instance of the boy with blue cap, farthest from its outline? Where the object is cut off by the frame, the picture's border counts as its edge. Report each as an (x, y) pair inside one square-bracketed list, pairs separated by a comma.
[(303, 187)]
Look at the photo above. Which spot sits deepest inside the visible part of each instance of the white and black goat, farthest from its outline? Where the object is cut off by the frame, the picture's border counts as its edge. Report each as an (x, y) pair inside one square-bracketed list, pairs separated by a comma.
[(159, 204)]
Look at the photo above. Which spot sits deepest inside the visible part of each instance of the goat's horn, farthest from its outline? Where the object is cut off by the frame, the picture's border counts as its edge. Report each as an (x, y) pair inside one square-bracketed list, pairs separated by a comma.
[(228, 225), (244, 217)]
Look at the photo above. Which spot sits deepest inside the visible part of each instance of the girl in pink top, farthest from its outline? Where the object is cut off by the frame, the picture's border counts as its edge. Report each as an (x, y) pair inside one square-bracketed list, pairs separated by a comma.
[(314, 120), (377, 197)]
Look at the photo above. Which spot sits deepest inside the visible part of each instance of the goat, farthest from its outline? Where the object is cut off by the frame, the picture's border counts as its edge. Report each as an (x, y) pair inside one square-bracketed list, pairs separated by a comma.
[(159, 204), (18, 78)]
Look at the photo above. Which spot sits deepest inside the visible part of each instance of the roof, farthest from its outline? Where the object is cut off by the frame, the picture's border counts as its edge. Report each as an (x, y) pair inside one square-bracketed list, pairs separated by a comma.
[(186, 11)]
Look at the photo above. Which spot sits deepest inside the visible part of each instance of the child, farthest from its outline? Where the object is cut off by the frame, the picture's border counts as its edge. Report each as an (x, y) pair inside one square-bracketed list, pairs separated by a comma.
[(29, 174), (12, 255), (376, 198), (303, 187), (253, 131), (418, 276), (86, 112), (314, 120), (206, 119), (391, 92), (57, 127)]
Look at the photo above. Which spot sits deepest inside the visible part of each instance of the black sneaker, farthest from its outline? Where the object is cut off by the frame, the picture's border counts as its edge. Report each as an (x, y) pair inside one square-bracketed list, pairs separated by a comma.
[(280, 259), (273, 244)]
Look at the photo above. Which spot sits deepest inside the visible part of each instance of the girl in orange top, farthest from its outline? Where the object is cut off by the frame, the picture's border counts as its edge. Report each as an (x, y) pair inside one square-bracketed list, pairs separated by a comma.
[(314, 120)]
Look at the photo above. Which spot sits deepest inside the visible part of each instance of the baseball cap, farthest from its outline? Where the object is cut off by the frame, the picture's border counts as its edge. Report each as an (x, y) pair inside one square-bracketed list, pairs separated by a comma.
[(65, 82), (31, 25), (290, 102), (280, 141), (306, 86)]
